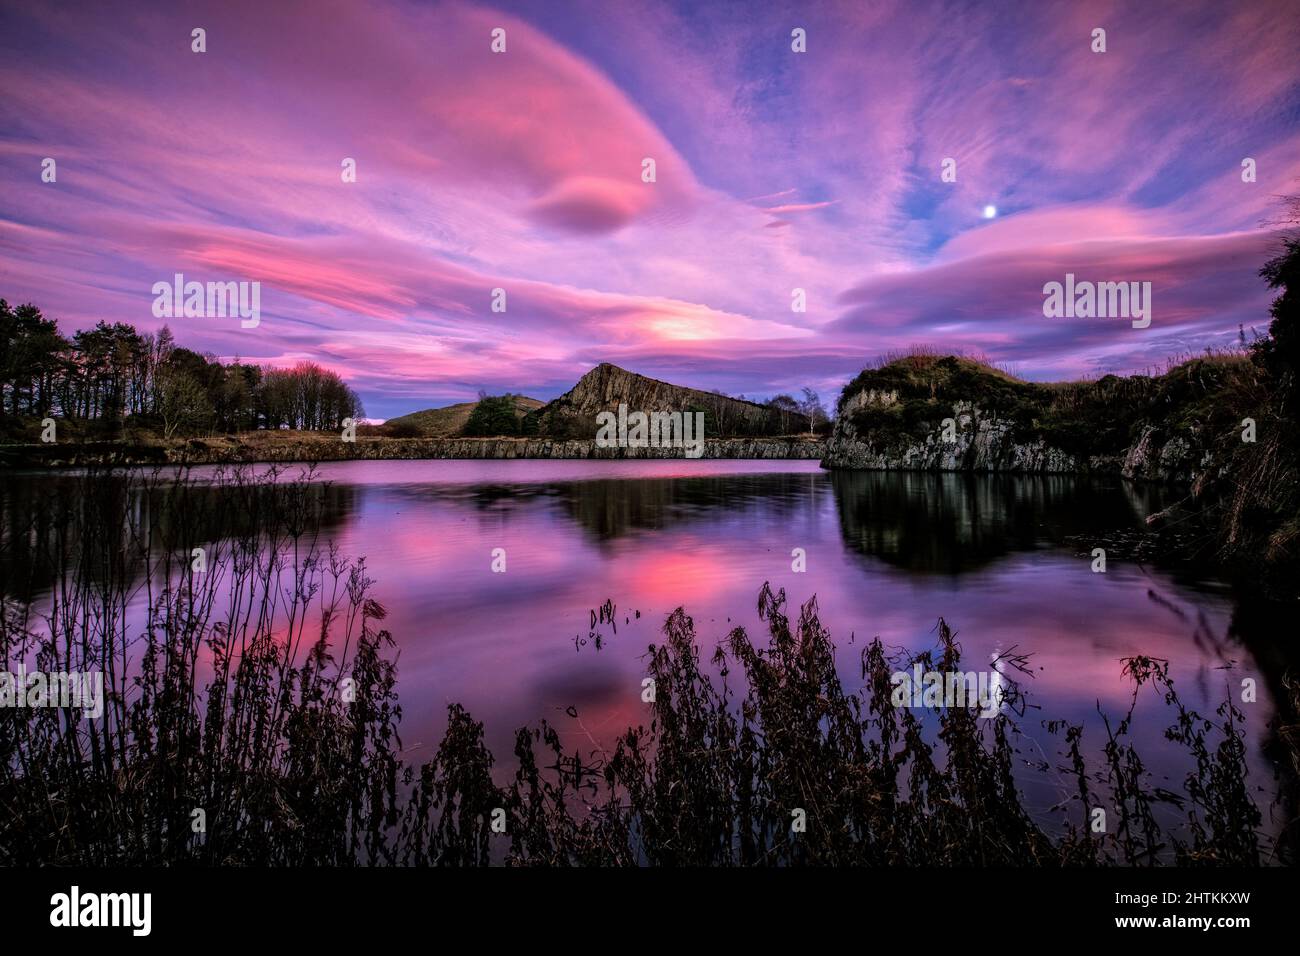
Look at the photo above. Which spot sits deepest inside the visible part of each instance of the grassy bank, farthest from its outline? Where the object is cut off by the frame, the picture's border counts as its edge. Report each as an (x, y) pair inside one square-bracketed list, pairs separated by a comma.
[(289, 446)]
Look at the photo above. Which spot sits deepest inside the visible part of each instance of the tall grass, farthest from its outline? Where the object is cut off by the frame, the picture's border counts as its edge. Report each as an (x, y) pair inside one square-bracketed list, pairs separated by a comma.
[(223, 686), (262, 691)]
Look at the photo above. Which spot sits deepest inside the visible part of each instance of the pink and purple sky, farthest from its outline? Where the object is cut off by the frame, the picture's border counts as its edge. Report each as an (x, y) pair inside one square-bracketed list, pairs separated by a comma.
[(775, 170)]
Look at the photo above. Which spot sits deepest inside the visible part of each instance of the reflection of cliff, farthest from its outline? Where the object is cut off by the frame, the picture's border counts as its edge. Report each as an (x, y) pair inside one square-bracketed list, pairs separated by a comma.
[(950, 522), (44, 519), (1266, 629), (611, 509)]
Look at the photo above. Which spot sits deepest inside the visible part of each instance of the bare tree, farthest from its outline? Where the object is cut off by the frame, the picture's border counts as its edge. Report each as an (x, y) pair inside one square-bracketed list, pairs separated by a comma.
[(812, 408)]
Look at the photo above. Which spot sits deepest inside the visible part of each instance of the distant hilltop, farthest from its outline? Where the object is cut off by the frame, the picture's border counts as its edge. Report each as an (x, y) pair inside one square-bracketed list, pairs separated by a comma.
[(603, 389), (449, 421)]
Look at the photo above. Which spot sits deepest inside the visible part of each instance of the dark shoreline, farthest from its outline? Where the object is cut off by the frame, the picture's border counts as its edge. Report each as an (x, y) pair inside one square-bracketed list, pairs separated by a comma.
[(266, 448)]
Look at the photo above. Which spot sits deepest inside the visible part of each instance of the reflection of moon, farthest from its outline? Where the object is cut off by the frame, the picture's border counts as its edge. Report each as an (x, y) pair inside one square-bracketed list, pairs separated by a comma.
[(996, 693)]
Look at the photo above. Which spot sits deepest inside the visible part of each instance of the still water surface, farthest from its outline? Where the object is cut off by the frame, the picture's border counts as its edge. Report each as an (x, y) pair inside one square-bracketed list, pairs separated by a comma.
[(1005, 560)]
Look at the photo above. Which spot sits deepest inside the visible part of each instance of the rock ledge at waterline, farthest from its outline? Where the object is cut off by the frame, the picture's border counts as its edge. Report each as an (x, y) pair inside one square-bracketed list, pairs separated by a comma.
[(322, 446)]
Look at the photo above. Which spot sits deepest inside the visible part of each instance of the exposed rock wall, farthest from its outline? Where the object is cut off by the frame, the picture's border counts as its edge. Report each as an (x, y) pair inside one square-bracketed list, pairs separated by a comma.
[(982, 441)]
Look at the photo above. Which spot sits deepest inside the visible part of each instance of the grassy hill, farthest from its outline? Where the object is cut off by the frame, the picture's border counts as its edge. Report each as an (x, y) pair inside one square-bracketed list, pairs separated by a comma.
[(445, 422), (605, 387)]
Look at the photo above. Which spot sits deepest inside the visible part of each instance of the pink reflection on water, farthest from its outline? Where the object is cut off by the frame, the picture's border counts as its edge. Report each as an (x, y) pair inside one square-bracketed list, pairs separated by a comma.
[(504, 644), (705, 535)]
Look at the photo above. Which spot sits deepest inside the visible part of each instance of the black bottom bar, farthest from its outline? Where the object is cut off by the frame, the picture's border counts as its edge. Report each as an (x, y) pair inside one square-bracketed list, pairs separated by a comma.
[(944, 907)]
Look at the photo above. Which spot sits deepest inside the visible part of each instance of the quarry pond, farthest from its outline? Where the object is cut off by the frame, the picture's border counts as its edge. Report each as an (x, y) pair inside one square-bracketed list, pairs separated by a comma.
[(494, 575)]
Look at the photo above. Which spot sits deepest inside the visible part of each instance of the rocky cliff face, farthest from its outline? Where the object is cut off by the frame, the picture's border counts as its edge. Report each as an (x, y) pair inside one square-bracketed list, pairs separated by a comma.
[(983, 440), (573, 414)]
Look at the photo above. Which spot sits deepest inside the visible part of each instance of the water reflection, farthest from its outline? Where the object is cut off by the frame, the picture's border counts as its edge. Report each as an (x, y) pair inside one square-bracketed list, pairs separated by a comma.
[(44, 519), (952, 523), (887, 554)]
